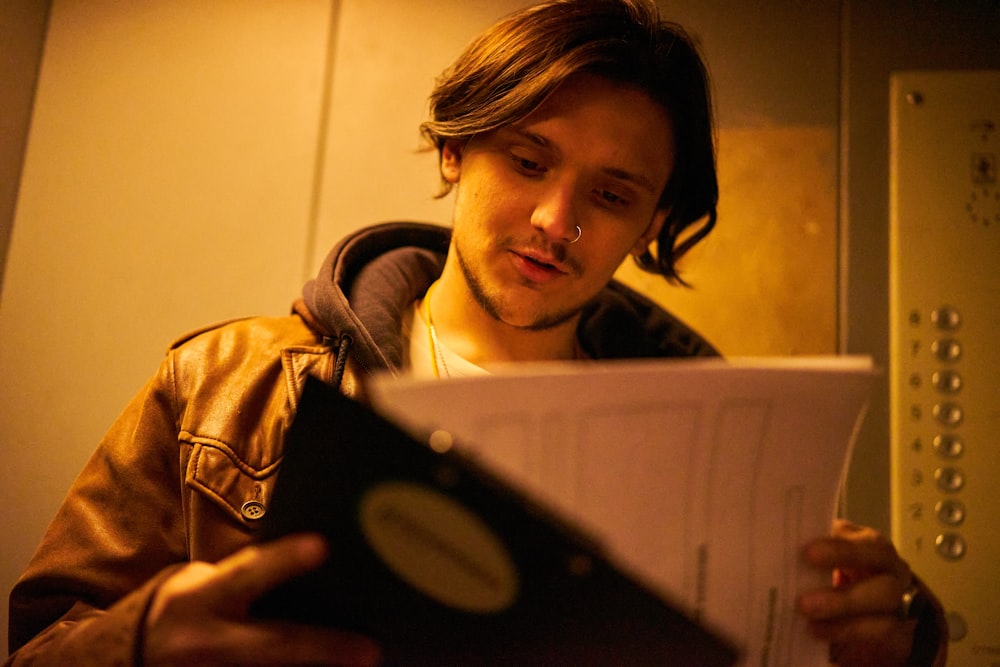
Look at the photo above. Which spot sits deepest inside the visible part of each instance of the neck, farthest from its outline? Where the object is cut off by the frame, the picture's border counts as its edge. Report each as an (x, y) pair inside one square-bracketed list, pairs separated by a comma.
[(474, 334)]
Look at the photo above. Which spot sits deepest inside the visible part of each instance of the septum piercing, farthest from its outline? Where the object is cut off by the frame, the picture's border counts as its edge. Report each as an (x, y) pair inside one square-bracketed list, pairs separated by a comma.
[(579, 233)]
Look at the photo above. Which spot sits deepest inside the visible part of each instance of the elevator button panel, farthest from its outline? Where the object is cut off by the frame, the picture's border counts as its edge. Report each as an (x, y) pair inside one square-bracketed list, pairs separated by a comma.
[(944, 367)]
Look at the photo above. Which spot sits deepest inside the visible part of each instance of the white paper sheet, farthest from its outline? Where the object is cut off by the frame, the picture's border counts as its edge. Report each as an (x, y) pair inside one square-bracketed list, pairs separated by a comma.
[(704, 477)]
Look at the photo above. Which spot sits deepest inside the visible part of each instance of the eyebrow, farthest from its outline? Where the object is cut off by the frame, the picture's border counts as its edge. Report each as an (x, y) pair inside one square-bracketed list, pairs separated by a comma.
[(615, 172)]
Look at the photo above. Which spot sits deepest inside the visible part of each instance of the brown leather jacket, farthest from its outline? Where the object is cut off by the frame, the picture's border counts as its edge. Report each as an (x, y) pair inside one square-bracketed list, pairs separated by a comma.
[(170, 481), (167, 485)]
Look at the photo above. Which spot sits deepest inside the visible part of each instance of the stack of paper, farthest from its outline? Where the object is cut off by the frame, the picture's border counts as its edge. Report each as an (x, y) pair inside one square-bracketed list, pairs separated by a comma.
[(705, 477)]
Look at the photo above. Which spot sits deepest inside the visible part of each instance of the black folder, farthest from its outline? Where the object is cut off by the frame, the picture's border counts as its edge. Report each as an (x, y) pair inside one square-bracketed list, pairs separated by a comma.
[(444, 563)]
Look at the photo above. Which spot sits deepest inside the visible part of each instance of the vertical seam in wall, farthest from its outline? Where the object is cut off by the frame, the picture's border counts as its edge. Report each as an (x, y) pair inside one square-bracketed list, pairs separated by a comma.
[(19, 140), (843, 210), (322, 135), (843, 218)]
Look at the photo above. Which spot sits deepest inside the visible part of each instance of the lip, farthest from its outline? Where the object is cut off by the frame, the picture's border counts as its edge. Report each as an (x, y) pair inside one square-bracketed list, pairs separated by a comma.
[(537, 268)]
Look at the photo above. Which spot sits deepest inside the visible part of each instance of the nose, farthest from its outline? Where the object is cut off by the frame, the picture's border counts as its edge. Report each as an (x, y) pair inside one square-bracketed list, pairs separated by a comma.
[(555, 213)]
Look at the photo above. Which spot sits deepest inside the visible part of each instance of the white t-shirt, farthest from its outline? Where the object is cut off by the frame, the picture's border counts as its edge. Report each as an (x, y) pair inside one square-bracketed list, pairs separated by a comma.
[(425, 356)]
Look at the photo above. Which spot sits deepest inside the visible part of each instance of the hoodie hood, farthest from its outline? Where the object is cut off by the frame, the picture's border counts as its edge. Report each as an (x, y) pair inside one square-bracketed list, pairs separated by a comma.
[(368, 282)]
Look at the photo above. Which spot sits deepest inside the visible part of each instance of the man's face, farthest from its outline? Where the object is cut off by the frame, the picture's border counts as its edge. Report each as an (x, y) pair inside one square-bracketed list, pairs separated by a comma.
[(595, 155)]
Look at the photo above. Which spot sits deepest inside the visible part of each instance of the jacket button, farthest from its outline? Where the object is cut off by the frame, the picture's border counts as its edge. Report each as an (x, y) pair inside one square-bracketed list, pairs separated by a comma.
[(253, 510)]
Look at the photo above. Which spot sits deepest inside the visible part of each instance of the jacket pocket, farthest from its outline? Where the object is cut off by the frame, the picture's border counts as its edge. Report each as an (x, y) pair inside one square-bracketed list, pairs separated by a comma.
[(239, 490)]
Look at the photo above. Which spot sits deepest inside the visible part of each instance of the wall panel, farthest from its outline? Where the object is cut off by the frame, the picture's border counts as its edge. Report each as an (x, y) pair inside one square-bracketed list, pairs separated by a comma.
[(167, 183)]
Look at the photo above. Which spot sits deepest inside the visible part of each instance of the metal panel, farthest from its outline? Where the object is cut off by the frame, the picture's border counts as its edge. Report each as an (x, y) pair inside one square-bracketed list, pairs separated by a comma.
[(945, 362)]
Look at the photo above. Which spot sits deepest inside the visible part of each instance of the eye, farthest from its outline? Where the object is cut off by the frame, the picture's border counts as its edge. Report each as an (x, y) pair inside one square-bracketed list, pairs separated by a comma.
[(527, 165), (609, 197)]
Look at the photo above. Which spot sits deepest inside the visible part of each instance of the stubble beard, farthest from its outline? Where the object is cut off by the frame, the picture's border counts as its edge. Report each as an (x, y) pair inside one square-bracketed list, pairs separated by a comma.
[(492, 304)]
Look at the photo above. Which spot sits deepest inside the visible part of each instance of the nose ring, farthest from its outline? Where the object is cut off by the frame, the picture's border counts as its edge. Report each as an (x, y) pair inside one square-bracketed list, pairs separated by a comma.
[(579, 233)]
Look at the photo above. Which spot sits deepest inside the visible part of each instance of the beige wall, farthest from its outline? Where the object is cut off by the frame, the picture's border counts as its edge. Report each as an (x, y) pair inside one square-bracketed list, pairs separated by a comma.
[(168, 182), (387, 56)]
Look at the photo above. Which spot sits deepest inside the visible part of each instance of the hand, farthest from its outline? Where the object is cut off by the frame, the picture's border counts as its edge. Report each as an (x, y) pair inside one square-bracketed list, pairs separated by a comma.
[(201, 615), (858, 613)]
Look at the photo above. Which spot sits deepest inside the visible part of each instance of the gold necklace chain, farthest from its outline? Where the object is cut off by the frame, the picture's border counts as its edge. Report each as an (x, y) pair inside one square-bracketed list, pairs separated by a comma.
[(436, 354)]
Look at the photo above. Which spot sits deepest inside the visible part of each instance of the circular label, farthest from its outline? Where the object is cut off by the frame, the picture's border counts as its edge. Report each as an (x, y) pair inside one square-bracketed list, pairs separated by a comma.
[(439, 547)]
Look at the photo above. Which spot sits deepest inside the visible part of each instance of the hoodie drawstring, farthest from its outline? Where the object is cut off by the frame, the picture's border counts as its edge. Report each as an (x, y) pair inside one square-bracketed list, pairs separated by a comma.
[(343, 345)]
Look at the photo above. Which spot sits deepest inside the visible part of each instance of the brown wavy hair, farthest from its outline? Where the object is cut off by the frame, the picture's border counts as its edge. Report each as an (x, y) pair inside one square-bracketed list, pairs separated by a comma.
[(509, 70)]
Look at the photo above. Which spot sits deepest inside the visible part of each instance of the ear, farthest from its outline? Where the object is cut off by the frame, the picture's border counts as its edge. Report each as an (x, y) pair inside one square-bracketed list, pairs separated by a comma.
[(451, 160), (652, 231)]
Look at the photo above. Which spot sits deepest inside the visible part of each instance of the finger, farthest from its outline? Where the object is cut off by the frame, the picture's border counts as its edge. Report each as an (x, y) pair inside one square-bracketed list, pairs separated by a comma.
[(875, 555), (864, 629), (872, 640), (875, 595), (256, 569), (882, 628)]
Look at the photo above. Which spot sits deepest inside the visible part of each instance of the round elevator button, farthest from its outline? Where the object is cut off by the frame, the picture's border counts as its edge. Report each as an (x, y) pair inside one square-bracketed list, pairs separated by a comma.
[(948, 413), (950, 546), (950, 512), (949, 479), (946, 349), (957, 627), (947, 381), (946, 318), (949, 445)]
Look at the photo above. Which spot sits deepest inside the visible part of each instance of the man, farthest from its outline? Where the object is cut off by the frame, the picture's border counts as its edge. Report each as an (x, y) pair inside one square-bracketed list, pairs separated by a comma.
[(574, 134)]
